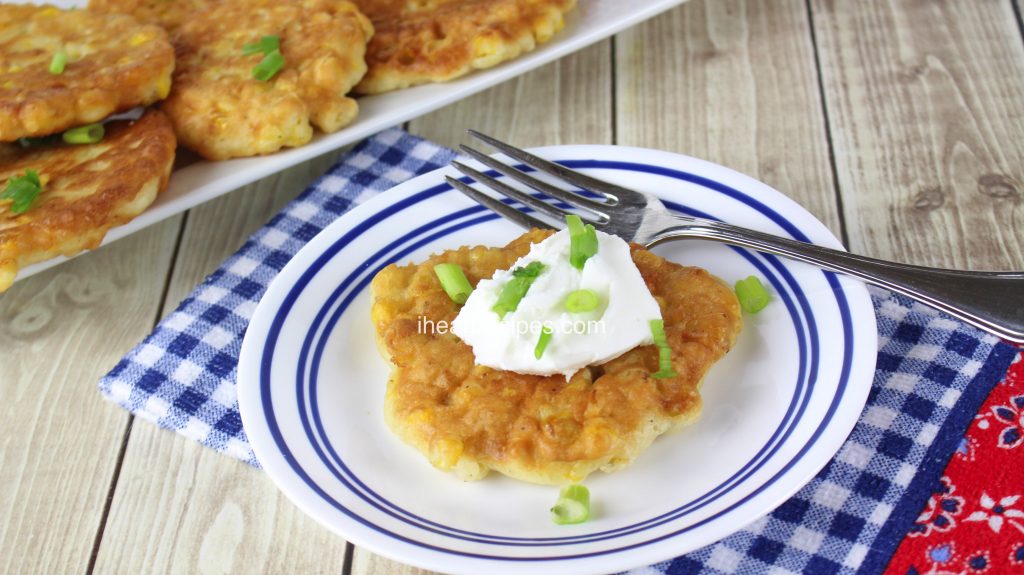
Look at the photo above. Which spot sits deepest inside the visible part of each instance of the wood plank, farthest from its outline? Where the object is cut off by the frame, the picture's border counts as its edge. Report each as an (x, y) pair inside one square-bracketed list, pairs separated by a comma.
[(60, 331), (366, 563), (565, 102), (568, 101), (733, 82), (182, 508), (924, 101)]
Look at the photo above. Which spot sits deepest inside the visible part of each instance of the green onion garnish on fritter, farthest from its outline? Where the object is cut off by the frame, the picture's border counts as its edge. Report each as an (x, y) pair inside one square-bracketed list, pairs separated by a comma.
[(582, 241), (542, 342), (273, 59), (58, 62), (572, 506), (84, 134), (665, 368), (453, 282), (22, 191), (658, 333), (266, 45), (516, 287), (582, 301), (752, 294), (269, 66)]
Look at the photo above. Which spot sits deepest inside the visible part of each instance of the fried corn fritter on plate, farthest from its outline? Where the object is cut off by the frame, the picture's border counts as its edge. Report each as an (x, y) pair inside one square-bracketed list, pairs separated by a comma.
[(221, 111), (168, 14), (470, 419), (114, 63), (437, 40), (87, 189)]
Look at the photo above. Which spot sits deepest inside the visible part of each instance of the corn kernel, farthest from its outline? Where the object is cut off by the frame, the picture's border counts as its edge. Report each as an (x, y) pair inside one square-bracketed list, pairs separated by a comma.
[(163, 87), (445, 453), (421, 416)]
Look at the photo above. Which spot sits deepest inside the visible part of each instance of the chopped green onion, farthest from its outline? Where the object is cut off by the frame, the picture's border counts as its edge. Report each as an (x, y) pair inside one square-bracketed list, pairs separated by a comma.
[(658, 332), (573, 505), (58, 62), (582, 300), (515, 288), (582, 241), (532, 270), (266, 45), (542, 342), (665, 368), (269, 66), (752, 294), (84, 134), (22, 190), (453, 282)]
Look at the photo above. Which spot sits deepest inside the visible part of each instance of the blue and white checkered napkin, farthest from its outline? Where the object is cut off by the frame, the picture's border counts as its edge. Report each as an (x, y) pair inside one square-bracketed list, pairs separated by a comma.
[(933, 373)]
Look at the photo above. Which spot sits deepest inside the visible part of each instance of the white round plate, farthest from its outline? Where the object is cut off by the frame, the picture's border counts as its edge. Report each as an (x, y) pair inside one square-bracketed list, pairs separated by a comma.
[(776, 408)]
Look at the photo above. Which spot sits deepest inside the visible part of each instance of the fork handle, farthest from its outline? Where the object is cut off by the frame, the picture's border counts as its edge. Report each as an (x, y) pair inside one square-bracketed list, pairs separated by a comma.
[(992, 301)]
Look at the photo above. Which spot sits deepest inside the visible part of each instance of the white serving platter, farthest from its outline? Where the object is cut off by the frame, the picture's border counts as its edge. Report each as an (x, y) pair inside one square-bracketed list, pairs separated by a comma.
[(590, 22)]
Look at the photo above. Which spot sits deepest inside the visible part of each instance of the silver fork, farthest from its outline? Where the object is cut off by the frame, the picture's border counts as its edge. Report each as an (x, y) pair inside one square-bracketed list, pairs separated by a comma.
[(992, 301)]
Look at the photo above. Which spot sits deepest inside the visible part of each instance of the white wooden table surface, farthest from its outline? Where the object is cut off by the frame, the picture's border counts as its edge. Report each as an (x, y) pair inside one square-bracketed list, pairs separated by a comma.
[(899, 123)]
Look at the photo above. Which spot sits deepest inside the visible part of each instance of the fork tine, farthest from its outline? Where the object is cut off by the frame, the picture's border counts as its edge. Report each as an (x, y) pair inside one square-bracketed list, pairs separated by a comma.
[(608, 190), (502, 209), (503, 188), (568, 197)]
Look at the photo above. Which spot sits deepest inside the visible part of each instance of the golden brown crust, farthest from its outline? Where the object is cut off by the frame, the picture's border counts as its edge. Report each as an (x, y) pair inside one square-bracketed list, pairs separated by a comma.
[(438, 40), (221, 111), (114, 64), (470, 418), (87, 190), (168, 14)]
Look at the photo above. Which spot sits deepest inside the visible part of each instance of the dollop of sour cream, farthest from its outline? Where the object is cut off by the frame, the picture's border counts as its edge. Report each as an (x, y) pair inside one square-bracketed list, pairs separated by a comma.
[(620, 323)]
